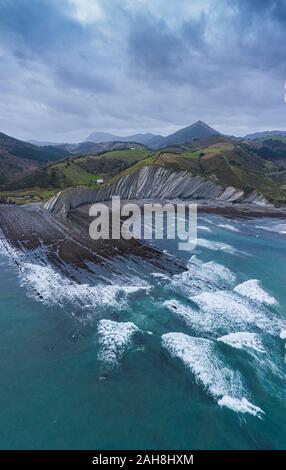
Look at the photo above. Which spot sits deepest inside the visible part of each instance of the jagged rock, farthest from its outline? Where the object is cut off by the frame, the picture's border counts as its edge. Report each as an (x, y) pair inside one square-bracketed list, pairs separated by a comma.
[(151, 182)]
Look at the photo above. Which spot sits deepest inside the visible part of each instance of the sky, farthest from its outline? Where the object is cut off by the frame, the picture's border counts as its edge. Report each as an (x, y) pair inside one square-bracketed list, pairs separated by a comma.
[(70, 67)]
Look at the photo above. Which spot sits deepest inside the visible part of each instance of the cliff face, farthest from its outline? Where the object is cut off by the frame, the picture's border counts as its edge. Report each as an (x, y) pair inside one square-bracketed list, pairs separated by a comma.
[(151, 182)]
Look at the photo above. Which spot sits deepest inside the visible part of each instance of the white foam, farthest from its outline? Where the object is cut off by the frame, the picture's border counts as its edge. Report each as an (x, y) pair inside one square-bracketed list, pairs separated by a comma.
[(202, 276), (241, 406), (204, 228), (283, 334), (227, 311), (114, 338), (228, 227), (242, 340), (217, 379), (222, 304), (49, 286), (216, 246), (273, 227), (7, 250), (159, 275), (252, 290)]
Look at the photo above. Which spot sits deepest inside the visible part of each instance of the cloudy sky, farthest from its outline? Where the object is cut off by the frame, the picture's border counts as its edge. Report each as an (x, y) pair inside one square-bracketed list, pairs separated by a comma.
[(68, 67)]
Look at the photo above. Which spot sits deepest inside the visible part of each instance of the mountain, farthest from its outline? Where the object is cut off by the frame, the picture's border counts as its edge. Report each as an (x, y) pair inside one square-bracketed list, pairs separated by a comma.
[(18, 158), (198, 130), (265, 134), (40, 143), (99, 137), (85, 148)]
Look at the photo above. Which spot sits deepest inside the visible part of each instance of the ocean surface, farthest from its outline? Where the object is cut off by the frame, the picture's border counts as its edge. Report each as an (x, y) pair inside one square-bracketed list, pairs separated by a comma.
[(189, 361)]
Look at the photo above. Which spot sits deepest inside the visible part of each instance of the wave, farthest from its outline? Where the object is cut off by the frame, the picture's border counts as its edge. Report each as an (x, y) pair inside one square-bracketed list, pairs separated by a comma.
[(227, 311), (241, 406), (229, 227), (45, 284), (242, 340), (273, 227), (160, 276), (252, 290), (217, 314), (204, 228), (202, 276), (114, 337), (217, 246), (283, 334), (217, 379), (49, 286)]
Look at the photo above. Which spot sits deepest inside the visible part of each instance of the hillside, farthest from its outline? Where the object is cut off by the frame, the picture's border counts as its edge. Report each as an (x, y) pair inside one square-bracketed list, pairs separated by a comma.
[(18, 158), (225, 162), (85, 148), (247, 166), (88, 170)]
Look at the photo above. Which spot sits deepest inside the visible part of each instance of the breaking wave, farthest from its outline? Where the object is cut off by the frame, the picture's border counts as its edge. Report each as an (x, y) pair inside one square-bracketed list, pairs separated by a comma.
[(202, 276), (273, 227), (230, 312), (252, 290), (49, 286), (241, 406), (283, 334), (229, 227), (204, 228), (217, 246), (114, 338), (243, 340), (223, 384)]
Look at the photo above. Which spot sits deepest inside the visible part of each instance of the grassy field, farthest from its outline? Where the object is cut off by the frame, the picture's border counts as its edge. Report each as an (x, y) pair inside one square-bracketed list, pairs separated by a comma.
[(207, 151), (44, 183), (131, 155), (74, 175)]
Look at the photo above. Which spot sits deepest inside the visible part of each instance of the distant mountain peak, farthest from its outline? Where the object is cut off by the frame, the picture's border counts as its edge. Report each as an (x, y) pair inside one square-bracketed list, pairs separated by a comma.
[(197, 130)]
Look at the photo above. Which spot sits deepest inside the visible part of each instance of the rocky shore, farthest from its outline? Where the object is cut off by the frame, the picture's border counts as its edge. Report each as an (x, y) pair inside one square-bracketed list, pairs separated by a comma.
[(157, 183)]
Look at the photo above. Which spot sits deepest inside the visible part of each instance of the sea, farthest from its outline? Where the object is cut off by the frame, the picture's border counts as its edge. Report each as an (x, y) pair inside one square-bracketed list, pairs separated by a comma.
[(167, 361)]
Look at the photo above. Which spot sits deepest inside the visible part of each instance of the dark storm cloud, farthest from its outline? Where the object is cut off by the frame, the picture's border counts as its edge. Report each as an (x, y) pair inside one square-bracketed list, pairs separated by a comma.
[(158, 52), (71, 66), (40, 30)]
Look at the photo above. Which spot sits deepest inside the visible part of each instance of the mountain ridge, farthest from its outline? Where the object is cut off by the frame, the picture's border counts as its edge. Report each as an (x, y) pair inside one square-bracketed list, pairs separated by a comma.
[(18, 157), (197, 130)]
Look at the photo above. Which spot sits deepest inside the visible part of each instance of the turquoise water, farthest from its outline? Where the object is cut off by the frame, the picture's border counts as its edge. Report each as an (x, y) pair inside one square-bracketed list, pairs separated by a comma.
[(69, 380)]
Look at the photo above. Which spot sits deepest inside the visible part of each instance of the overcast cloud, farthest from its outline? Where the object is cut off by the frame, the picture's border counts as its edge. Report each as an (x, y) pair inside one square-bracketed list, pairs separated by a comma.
[(68, 67)]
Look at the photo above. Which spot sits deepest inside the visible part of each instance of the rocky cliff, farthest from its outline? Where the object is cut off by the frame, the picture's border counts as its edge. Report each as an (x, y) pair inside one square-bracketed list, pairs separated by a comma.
[(152, 182)]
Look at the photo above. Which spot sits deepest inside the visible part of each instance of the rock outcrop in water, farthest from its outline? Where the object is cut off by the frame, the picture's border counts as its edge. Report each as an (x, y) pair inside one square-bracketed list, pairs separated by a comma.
[(152, 182)]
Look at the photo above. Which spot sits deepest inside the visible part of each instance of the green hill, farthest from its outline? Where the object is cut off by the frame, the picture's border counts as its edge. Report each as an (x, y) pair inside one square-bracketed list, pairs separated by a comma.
[(19, 158), (249, 166), (88, 171), (225, 162)]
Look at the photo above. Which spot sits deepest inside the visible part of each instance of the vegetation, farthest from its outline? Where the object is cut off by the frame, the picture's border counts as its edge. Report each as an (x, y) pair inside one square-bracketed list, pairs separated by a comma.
[(87, 171), (227, 163), (250, 166)]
